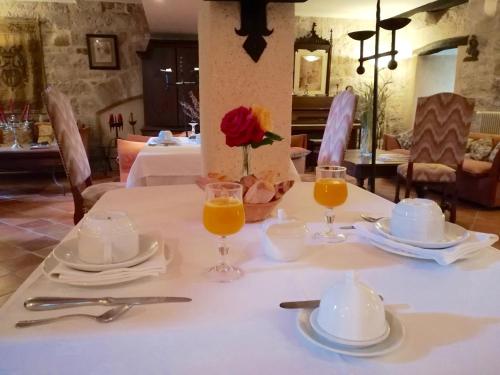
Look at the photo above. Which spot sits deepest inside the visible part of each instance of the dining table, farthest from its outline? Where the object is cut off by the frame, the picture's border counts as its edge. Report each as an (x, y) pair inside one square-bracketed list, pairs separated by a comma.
[(451, 314), (170, 164), (174, 164)]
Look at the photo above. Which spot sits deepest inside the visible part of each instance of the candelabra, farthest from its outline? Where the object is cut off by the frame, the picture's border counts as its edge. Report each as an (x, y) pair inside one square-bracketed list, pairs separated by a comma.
[(391, 24), (116, 123), (132, 121)]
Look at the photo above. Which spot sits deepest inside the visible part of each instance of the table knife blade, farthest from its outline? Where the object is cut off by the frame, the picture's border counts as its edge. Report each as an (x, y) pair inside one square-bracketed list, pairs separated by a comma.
[(307, 304), (311, 304), (53, 303)]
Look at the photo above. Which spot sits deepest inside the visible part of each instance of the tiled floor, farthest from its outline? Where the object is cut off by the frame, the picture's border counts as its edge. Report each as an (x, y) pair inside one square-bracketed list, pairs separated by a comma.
[(34, 216)]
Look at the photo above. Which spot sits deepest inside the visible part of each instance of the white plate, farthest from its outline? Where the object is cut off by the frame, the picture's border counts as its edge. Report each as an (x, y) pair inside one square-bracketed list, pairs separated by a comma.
[(313, 320), (391, 343), (50, 263), (67, 253), (454, 234)]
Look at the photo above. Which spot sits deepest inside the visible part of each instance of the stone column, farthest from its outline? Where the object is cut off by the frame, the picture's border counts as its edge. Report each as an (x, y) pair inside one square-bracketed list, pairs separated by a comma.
[(229, 78)]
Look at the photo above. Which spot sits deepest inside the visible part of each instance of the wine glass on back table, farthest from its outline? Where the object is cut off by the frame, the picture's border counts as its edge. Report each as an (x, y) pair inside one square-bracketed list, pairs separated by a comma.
[(330, 190), (223, 215)]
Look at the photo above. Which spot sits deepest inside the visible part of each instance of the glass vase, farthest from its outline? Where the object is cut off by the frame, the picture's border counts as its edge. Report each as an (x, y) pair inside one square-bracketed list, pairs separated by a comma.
[(366, 133), (246, 160)]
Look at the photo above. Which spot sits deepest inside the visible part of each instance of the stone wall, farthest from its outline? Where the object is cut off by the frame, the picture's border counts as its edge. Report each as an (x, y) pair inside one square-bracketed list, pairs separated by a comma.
[(481, 79), (424, 29), (63, 29)]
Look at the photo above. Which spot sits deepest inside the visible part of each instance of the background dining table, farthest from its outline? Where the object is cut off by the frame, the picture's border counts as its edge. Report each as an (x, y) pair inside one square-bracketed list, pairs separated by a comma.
[(174, 164), (451, 313), (158, 164)]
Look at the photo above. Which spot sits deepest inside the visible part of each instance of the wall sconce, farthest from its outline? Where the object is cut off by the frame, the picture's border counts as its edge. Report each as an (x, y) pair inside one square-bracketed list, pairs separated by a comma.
[(311, 58)]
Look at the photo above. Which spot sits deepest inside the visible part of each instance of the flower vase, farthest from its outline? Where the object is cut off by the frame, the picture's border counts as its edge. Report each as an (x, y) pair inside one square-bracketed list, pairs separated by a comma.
[(246, 160), (366, 133)]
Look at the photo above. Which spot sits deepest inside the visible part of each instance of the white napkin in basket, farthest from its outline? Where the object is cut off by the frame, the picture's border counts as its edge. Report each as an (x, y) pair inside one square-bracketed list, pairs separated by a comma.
[(444, 257), (152, 267)]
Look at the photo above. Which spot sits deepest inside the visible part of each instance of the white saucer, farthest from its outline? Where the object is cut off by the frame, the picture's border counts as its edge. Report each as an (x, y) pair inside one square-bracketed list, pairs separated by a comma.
[(454, 234), (50, 263), (391, 343), (313, 320), (67, 253)]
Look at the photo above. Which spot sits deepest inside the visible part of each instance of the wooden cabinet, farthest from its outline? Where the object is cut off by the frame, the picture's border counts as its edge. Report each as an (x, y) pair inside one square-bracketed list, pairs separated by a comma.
[(170, 72)]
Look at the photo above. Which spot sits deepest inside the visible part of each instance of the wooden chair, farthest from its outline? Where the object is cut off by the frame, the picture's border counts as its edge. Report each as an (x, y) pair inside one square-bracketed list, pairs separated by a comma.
[(338, 129), (442, 124), (127, 153), (74, 158), (299, 152)]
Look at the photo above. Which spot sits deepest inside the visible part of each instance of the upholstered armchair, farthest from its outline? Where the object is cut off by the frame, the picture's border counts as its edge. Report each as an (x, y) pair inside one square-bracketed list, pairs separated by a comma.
[(73, 155), (338, 129), (442, 124)]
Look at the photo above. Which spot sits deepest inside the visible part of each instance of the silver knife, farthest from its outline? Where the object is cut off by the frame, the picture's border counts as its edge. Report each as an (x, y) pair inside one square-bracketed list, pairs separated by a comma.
[(311, 304), (52, 303), (308, 304)]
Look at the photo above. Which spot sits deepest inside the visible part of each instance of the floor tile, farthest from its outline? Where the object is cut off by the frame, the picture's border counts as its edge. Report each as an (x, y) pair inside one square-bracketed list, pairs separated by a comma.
[(24, 272), (9, 284), (36, 224), (4, 298), (3, 271), (38, 243), (22, 261), (43, 252), (9, 251)]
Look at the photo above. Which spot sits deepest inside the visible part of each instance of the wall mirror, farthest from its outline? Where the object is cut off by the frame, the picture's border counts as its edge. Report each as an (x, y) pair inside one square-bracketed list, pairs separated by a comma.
[(313, 56)]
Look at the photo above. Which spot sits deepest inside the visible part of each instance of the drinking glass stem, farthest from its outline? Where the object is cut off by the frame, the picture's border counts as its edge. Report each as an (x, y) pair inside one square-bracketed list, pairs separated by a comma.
[(329, 217), (223, 250)]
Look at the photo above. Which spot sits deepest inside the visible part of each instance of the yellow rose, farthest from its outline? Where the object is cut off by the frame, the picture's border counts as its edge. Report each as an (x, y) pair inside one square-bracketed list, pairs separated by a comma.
[(264, 118)]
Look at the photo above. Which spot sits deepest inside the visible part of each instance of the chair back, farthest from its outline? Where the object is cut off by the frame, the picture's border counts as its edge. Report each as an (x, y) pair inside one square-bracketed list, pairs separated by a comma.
[(338, 129), (74, 157), (127, 153), (137, 138), (299, 140), (442, 124)]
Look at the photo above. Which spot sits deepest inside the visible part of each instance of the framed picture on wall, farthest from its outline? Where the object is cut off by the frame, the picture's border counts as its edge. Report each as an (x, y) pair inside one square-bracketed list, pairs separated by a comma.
[(310, 72), (103, 51)]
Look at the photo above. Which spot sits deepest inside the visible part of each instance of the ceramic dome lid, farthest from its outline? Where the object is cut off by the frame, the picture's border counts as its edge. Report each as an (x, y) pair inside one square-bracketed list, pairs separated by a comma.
[(107, 223), (352, 310)]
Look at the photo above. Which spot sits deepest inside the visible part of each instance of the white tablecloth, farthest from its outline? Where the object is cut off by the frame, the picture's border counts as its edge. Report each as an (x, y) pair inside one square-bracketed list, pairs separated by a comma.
[(166, 165), (173, 165), (451, 314)]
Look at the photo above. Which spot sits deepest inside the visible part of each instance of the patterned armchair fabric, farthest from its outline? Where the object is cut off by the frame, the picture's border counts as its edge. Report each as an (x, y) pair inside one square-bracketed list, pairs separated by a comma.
[(442, 123), (68, 137), (338, 129)]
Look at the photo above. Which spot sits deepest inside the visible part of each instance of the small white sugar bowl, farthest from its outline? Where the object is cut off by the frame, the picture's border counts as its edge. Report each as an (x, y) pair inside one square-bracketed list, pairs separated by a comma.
[(107, 237), (418, 219), (350, 310), (284, 238)]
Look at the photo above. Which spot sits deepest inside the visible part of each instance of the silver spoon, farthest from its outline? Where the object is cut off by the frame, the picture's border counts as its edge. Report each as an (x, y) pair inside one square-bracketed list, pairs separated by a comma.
[(370, 219), (107, 317)]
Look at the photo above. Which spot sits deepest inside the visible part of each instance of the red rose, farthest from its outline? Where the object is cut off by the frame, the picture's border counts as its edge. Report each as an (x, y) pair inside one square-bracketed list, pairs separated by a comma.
[(241, 127)]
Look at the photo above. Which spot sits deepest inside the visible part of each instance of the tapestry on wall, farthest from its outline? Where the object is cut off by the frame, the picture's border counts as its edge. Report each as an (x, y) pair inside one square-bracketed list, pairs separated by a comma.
[(21, 63)]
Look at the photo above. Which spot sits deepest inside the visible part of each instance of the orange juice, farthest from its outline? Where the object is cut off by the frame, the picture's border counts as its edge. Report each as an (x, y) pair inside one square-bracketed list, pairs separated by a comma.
[(330, 192), (223, 216)]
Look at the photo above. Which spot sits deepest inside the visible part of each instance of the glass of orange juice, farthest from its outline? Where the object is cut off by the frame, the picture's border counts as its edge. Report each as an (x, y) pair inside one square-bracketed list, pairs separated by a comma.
[(223, 215), (330, 190)]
